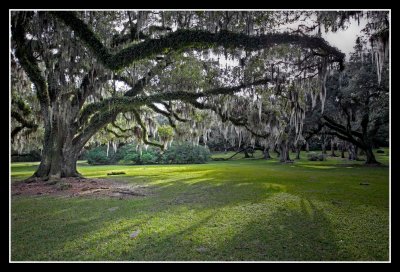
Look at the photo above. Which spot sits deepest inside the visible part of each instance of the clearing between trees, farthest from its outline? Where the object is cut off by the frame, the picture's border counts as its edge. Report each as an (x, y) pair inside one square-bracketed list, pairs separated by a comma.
[(232, 210)]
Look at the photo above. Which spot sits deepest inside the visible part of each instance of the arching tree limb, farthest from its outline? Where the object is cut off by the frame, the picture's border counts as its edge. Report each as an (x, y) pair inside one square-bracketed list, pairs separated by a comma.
[(189, 38)]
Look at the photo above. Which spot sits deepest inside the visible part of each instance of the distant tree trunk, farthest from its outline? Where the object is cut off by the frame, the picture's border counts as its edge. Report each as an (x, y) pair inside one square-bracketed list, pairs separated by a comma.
[(277, 151), (323, 147), (267, 156), (298, 150), (307, 147), (246, 154), (370, 156), (333, 149), (284, 152), (351, 151), (355, 152), (342, 149)]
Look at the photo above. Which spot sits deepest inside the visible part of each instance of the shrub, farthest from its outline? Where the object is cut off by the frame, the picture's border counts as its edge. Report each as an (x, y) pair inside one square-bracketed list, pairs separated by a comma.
[(98, 155), (148, 158), (123, 151), (32, 156), (178, 153), (130, 158), (312, 156), (182, 153)]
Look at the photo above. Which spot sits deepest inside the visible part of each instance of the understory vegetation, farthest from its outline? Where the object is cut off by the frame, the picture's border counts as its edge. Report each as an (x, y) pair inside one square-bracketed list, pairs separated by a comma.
[(178, 153)]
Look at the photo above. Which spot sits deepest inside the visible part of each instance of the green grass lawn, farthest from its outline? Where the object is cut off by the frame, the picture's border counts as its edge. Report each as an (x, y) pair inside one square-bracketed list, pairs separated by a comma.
[(228, 210)]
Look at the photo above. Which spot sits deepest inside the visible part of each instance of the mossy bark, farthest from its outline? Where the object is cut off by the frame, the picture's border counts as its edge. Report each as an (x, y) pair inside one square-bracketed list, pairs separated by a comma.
[(59, 153)]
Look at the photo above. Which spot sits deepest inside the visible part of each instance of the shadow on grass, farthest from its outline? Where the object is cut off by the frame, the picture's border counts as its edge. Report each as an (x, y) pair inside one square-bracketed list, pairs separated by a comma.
[(285, 235), (89, 232), (304, 234)]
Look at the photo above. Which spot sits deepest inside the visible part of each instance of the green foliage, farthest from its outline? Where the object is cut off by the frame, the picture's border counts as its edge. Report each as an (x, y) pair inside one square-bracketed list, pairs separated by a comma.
[(185, 152), (149, 158), (98, 155), (165, 132), (29, 157), (130, 158), (178, 153)]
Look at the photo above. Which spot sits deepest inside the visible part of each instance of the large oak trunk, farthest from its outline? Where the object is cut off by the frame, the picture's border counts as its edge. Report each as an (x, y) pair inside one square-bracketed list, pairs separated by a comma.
[(59, 153), (55, 166)]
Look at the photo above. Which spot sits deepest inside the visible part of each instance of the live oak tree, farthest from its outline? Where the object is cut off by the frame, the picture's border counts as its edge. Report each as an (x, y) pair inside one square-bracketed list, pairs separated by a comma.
[(360, 105), (74, 59)]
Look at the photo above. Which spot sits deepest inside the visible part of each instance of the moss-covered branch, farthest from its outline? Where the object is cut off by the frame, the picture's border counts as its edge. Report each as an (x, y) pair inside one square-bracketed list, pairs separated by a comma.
[(181, 39), (25, 56), (120, 103), (340, 128), (24, 124), (145, 137), (163, 112), (20, 119), (116, 134), (236, 121), (176, 116), (123, 130)]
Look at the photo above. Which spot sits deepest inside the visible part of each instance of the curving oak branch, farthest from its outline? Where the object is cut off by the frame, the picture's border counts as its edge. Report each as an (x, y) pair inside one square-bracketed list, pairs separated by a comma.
[(181, 39), (119, 103)]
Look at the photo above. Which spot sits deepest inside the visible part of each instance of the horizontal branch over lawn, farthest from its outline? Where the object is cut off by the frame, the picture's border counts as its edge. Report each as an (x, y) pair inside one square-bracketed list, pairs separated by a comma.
[(181, 39)]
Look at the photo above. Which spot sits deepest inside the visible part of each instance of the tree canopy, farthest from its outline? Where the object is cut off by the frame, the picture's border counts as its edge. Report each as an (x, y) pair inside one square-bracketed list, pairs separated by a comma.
[(155, 76)]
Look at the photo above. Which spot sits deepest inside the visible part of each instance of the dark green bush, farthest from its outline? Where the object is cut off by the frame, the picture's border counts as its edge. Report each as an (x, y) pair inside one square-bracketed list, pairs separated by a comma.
[(130, 158), (149, 158), (98, 155), (27, 157), (183, 153), (123, 151), (178, 153)]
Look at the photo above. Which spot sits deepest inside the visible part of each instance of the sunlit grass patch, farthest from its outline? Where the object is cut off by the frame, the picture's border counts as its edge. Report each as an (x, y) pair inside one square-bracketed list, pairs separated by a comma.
[(229, 210)]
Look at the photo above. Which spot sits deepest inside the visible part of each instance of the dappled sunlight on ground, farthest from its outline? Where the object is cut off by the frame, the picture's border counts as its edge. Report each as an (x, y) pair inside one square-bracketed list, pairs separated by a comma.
[(239, 210)]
